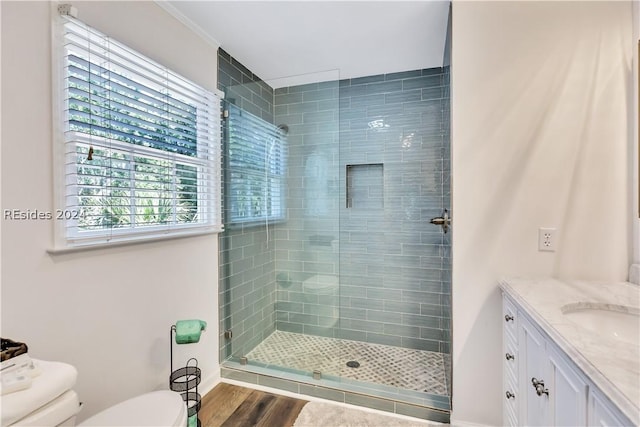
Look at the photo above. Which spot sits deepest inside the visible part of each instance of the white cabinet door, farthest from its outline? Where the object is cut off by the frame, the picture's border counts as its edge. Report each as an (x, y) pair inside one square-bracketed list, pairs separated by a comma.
[(567, 391), (603, 414), (533, 409)]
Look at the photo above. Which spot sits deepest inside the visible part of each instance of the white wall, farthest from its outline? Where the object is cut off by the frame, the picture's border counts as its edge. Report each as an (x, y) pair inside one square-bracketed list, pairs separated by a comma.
[(108, 311), (541, 119)]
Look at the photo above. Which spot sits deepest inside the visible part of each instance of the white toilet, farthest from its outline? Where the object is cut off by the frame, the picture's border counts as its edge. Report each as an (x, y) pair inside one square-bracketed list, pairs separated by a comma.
[(50, 401), (323, 285), (158, 408)]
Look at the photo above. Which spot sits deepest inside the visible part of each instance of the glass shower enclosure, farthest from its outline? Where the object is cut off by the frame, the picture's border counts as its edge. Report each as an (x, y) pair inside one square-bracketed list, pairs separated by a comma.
[(333, 280)]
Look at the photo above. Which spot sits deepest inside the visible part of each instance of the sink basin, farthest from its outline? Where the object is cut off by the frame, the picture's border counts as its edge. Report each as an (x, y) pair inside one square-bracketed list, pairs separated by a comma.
[(614, 321)]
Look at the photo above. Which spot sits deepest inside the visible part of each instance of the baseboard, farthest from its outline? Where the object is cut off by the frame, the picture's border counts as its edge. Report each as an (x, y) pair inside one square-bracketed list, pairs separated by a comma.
[(209, 383), (461, 423)]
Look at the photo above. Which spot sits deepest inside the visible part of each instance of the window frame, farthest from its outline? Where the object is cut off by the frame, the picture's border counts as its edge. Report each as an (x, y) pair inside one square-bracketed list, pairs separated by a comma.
[(207, 164)]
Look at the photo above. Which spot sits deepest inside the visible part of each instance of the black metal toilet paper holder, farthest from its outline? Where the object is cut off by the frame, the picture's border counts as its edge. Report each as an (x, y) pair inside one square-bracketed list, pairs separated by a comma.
[(185, 381)]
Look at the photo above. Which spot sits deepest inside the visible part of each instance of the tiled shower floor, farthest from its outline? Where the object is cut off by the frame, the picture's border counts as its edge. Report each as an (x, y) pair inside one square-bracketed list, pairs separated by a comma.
[(381, 364)]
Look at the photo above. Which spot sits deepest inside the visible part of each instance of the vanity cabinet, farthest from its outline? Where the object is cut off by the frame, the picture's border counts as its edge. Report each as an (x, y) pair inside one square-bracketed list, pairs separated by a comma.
[(542, 386)]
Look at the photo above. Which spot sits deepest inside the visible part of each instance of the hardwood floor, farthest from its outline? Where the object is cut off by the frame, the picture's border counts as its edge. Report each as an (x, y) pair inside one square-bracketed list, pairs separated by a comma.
[(229, 405)]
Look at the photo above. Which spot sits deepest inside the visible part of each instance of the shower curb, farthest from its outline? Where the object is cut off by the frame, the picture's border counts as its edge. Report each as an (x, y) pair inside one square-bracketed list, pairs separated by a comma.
[(304, 388)]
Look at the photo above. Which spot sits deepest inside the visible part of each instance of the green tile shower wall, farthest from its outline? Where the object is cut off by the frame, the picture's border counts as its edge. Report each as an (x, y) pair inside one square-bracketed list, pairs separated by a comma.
[(247, 253), (394, 267), (243, 88)]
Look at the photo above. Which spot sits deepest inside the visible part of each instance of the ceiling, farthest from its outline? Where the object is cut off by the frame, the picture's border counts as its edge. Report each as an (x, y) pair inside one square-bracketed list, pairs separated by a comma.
[(294, 42)]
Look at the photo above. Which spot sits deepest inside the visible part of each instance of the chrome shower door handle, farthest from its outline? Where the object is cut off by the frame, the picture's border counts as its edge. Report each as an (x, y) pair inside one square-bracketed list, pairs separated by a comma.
[(444, 221)]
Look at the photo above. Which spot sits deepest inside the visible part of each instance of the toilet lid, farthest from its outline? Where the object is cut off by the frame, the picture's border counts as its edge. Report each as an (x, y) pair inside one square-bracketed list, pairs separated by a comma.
[(158, 408)]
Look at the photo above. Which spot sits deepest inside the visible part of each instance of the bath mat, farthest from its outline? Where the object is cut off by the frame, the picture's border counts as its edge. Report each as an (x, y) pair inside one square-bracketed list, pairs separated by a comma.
[(320, 414)]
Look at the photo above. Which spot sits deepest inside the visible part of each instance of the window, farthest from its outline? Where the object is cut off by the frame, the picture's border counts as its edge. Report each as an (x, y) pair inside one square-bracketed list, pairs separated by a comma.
[(256, 168), (142, 144)]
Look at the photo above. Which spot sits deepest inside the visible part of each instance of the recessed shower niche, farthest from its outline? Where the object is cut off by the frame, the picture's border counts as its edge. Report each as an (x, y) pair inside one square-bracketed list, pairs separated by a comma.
[(365, 186)]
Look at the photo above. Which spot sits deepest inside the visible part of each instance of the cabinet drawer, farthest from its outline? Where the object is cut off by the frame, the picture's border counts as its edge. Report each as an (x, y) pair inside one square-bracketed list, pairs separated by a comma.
[(510, 359), (509, 418), (510, 319), (510, 405)]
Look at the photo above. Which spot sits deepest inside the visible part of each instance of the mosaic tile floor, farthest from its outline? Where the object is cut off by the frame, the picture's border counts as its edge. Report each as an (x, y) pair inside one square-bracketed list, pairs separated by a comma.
[(381, 364)]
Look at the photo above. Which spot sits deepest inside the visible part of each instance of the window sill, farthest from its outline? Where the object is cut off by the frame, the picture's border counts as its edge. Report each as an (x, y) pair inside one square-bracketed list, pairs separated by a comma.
[(117, 244)]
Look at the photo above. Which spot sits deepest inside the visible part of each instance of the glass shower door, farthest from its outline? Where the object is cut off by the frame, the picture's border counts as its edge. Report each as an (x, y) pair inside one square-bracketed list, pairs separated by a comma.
[(280, 272), (308, 244)]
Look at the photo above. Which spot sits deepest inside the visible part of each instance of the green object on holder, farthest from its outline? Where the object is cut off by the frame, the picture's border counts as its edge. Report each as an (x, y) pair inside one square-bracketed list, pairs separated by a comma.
[(188, 331), (193, 421)]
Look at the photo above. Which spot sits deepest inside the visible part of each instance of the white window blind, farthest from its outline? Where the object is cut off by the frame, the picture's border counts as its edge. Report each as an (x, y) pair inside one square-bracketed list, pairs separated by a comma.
[(256, 168), (142, 144)]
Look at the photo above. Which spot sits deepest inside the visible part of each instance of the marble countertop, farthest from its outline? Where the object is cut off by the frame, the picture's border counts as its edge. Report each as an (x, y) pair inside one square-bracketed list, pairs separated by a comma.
[(612, 365)]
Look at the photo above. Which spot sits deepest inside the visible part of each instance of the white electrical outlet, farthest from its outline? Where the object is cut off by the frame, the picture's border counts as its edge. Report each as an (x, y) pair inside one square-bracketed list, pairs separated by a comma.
[(547, 239)]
